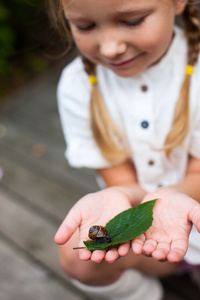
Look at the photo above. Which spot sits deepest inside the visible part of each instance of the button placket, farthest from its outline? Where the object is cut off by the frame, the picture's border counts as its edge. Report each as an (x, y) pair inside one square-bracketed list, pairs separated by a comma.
[(141, 112), (145, 122)]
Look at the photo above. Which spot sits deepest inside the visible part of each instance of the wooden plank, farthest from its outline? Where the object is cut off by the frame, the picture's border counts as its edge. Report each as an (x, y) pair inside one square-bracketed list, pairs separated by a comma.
[(18, 144), (46, 118), (30, 230), (24, 279), (77, 185), (38, 190), (23, 137)]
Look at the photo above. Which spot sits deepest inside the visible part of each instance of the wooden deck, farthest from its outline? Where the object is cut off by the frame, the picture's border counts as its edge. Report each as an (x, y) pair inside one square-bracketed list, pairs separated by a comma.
[(36, 191)]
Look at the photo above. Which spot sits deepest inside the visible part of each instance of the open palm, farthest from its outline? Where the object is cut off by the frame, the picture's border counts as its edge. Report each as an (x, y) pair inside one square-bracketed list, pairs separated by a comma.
[(167, 238), (93, 209)]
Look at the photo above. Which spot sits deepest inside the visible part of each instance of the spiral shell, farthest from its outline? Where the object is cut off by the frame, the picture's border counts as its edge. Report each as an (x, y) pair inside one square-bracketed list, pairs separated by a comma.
[(97, 231)]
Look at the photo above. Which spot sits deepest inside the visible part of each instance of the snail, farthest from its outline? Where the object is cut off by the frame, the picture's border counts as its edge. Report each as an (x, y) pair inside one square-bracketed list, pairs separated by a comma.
[(99, 234)]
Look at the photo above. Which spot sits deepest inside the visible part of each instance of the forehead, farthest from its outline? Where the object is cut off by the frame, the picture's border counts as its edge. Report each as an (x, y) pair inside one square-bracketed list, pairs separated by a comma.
[(106, 7)]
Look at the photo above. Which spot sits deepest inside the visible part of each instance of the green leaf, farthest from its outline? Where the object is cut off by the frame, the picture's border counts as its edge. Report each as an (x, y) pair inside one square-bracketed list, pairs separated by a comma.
[(127, 225)]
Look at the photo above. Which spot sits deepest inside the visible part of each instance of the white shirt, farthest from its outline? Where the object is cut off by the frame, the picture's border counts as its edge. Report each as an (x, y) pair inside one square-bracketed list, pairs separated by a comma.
[(132, 109)]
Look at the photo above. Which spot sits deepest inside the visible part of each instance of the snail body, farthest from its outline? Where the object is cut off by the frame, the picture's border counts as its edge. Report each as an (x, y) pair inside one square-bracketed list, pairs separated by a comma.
[(98, 234)]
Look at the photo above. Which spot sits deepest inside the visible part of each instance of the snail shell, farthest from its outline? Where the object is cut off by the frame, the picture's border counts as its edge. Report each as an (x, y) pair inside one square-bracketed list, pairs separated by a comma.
[(97, 231)]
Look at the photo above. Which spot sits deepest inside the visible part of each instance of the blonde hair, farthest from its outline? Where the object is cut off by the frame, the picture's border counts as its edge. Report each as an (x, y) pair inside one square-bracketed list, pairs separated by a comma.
[(105, 132), (181, 120)]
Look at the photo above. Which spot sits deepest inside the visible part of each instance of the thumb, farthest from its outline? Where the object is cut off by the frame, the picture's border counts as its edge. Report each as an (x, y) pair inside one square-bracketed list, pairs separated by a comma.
[(68, 227)]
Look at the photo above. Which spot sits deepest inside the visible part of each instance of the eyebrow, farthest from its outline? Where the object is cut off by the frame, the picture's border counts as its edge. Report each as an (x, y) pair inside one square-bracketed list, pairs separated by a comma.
[(117, 15), (135, 12)]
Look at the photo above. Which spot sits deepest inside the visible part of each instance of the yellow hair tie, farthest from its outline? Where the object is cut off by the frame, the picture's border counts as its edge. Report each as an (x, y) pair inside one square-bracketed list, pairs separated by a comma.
[(189, 70), (92, 80)]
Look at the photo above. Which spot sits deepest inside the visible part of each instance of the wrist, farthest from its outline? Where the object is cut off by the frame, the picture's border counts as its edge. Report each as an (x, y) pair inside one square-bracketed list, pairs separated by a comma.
[(134, 192), (167, 193)]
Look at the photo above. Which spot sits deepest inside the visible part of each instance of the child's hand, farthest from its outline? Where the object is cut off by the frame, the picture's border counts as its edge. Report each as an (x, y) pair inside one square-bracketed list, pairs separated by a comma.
[(167, 238), (94, 209)]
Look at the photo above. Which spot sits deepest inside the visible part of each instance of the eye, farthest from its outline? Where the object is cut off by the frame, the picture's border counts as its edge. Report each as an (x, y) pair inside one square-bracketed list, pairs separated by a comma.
[(85, 27), (133, 23)]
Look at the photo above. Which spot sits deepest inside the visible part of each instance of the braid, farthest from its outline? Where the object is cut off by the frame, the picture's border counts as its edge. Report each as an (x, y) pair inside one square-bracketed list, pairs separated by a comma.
[(192, 30), (104, 130), (89, 67), (181, 120)]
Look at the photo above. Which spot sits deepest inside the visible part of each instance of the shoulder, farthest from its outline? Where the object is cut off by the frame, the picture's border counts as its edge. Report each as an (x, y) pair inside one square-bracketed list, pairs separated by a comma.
[(72, 76), (73, 87)]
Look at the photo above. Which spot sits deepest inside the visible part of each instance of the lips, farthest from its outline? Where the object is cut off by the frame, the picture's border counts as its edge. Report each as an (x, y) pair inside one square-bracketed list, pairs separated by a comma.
[(124, 63)]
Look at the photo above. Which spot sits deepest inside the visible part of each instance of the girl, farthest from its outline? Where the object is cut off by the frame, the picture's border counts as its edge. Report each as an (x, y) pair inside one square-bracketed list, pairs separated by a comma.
[(137, 122)]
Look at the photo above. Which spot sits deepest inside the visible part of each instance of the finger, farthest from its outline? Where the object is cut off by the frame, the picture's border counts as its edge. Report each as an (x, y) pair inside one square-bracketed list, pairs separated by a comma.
[(124, 249), (149, 246), (112, 255), (68, 227), (161, 251), (178, 251), (85, 254), (137, 244), (98, 255)]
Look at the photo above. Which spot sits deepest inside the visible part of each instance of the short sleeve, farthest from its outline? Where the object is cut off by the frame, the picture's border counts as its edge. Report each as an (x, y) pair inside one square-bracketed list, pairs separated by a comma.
[(73, 96), (195, 113)]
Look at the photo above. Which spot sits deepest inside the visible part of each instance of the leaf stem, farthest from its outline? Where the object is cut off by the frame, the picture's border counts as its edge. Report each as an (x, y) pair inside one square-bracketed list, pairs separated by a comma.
[(77, 248)]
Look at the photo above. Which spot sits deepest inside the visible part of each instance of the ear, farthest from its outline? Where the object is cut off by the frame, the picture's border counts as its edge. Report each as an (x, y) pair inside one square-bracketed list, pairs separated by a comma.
[(180, 6)]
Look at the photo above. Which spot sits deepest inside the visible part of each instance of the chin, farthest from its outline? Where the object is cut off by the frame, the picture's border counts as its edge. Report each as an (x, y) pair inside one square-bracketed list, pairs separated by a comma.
[(126, 73)]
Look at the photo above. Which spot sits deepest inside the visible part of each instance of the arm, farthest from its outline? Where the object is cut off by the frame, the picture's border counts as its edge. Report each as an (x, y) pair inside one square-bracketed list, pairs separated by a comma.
[(190, 185)]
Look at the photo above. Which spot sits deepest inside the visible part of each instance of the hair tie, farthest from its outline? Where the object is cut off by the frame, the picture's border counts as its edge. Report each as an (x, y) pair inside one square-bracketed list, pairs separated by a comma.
[(92, 79), (189, 70)]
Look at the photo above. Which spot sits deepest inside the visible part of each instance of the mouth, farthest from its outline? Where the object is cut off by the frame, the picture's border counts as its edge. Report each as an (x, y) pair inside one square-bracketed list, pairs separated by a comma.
[(124, 63)]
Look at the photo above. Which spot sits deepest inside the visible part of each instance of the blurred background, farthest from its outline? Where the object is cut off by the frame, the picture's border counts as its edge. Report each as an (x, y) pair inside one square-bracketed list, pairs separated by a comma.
[(25, 42), (37, 186)]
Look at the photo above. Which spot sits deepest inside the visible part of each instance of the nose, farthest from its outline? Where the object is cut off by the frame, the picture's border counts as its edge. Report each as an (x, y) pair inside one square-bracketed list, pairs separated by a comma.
[(111, 44)]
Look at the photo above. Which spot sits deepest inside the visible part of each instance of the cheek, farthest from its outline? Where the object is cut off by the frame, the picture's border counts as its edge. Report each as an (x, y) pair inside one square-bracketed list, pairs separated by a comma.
[(84, 44), (156, 41)]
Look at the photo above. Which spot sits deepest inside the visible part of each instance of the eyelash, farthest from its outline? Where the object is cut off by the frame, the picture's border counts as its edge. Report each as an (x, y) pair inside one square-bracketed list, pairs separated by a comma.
[(127, 23), (134, 23), (86, 28)]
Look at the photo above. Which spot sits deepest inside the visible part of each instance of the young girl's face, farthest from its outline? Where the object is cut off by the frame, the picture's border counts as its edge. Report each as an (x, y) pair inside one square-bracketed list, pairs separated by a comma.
[(127, 36)]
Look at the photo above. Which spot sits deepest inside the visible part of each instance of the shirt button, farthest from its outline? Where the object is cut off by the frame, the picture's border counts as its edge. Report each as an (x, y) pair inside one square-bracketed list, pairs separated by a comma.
[(144, 88), (145, 124), (151, 162)]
